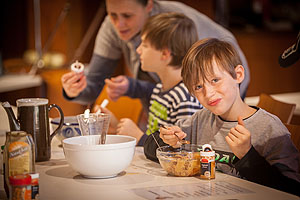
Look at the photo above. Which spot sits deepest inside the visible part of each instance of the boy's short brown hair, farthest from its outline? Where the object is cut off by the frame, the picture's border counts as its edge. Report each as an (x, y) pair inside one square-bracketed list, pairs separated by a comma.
[(197, 65), (174, 31)]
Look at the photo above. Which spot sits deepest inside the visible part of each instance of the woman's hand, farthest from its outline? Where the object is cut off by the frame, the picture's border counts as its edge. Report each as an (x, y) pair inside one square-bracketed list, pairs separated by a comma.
[(73, 83), (116, 87), (239, 139), (169, 137)]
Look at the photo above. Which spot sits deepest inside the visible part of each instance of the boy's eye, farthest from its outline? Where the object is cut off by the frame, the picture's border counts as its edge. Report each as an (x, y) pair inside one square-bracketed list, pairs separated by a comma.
[(198, 87), (215, 80)]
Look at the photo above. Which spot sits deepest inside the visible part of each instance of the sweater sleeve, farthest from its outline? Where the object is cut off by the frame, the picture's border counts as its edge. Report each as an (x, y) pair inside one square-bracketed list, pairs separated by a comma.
[(255, 168), (99, 69), (150, 146), (136, 86)]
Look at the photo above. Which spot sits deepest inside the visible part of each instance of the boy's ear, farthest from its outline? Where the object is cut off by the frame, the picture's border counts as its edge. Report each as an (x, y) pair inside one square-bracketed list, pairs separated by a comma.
[(166, 54), (149, 6), (240, 73)]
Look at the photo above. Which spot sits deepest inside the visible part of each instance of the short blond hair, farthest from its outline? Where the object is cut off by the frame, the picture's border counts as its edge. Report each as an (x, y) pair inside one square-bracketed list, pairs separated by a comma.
[(174, 31), (197, 65)]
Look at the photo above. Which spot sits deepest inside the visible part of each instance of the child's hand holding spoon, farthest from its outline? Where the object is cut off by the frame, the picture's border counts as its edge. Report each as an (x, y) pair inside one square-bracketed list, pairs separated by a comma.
[(180, 141)]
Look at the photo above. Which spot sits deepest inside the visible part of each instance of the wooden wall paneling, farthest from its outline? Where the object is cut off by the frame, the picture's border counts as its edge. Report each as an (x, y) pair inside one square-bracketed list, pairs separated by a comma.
[(13, 33), (70, 32), (206, 7), (50, 11), (262, 49)]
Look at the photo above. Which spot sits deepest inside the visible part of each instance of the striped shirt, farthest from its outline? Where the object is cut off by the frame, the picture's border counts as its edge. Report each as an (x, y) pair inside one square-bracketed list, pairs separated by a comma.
[(166, 107)]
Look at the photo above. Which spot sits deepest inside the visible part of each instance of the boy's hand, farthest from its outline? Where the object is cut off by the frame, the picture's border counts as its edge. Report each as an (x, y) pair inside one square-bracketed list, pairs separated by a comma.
[(169, 137), (128, 127), (239, 139), (113, 119), (116, 87)]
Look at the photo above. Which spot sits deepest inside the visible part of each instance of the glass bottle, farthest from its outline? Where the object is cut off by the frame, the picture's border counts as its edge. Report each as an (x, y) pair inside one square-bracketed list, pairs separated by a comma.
[(19, 155)]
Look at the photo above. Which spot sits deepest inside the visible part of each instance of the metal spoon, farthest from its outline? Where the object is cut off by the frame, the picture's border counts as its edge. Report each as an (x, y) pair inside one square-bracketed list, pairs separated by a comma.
[(182, 141), (154, 138)]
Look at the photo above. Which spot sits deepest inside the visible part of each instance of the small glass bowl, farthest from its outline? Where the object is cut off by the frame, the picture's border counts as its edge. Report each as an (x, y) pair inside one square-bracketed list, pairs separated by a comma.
[(183, 161)]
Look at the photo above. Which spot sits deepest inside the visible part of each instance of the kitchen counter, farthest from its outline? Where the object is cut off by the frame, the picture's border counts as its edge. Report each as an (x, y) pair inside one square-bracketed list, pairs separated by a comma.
[(19, 81), (143, 179)]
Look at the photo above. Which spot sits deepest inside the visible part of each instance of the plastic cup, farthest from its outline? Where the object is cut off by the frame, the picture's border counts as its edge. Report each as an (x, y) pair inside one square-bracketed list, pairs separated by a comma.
[(95, 124)]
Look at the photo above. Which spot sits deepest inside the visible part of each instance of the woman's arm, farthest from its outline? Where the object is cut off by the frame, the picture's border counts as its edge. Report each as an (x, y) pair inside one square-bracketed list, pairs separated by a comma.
[(98, 69)]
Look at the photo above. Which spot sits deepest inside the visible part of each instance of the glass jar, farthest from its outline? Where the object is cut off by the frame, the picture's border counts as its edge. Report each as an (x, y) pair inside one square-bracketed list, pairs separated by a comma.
[(20, 187), (207, 162), (19, 155), (35, 186)]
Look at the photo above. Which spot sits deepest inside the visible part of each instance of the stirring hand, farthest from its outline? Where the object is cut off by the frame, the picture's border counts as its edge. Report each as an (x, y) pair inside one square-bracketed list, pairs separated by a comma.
[(103, 105), (182, 141)]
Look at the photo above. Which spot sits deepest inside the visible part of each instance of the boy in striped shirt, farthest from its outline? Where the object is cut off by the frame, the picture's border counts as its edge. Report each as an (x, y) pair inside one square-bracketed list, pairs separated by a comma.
[(165, 40)]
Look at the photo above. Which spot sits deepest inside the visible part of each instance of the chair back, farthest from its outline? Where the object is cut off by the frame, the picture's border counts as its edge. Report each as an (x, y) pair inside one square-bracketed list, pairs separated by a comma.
[(284, 111), (295, 134)]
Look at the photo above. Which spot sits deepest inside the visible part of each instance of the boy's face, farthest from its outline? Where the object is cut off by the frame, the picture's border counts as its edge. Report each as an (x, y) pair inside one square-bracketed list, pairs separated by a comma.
[(150, 57), (127, 16), (220, 92)]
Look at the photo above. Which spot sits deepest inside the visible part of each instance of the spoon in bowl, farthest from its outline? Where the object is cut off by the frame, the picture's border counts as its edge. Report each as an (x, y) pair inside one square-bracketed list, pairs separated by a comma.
[(154, 138)]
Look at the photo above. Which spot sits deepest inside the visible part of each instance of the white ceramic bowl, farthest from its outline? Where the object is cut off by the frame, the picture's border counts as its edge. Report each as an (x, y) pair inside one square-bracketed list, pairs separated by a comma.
[(88, 158), (69, 129)]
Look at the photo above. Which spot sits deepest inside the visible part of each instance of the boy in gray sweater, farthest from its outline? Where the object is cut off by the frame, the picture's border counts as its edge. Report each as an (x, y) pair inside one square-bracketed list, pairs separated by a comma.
[(250, 142)]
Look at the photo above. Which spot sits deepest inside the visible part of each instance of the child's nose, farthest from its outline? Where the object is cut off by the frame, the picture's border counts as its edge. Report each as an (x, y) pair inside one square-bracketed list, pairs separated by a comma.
[(209, 90), (138, 50)]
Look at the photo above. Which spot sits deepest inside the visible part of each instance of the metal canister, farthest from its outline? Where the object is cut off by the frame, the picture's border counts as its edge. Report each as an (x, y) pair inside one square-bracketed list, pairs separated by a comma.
[(207, 162)]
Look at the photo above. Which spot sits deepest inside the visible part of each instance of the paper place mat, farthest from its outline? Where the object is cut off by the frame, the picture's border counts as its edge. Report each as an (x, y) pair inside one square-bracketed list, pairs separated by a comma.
[(191, 191)]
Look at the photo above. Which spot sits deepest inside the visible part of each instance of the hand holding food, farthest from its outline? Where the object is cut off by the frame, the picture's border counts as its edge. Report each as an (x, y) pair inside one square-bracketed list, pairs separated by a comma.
[(73, 83), (239, 139)]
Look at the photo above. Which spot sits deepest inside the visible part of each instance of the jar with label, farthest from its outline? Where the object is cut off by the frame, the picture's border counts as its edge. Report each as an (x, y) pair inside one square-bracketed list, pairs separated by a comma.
[(35, 186), (207, 162), (19, 154), (20, 187)]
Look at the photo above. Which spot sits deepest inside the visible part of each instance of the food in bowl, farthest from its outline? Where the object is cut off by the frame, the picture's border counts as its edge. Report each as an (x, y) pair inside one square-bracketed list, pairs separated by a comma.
[(69, 129), (184, 161), (93, 160)]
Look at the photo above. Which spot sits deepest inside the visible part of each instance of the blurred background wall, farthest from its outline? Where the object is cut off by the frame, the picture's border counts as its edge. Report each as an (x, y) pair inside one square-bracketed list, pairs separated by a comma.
[(263, 28)]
